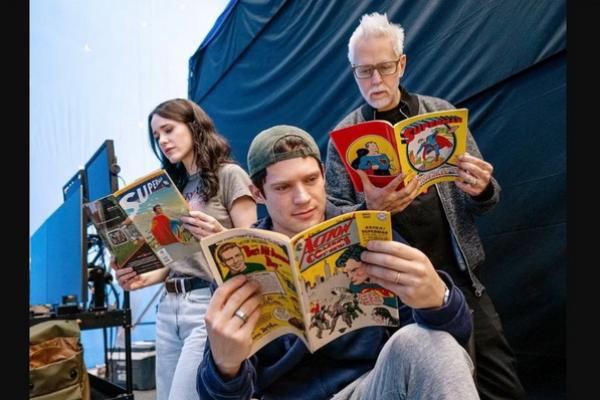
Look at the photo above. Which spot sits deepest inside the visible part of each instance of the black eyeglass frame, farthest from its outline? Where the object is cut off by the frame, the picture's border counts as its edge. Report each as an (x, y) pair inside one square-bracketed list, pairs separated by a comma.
[(377, 67)]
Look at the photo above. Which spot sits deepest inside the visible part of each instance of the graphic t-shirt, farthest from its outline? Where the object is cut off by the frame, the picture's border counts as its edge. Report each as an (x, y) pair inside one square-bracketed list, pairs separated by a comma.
[(233, 184)]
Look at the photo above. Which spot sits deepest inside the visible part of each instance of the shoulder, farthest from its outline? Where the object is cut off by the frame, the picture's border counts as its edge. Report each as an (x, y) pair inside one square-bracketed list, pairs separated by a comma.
[(351, 119), (230, 169), (233, 174), (331, 210), (234, 183)]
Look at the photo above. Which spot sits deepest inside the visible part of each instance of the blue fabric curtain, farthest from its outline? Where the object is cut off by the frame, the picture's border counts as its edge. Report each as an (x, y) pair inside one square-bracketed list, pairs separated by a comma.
[(286, 62)]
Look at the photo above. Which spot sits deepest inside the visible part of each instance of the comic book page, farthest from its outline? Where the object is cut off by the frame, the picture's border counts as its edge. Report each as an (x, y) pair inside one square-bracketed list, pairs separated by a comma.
[(154, 204), (124, 241), (333, 284), (262, 256), (429, 145), (369, 147)]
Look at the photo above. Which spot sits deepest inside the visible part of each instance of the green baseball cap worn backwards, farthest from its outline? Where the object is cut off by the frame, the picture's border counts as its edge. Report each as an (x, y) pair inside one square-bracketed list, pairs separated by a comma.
[(261, 154)]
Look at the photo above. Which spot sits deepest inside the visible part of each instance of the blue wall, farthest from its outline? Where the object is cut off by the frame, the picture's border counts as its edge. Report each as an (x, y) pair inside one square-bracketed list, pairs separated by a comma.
[(285, 62)]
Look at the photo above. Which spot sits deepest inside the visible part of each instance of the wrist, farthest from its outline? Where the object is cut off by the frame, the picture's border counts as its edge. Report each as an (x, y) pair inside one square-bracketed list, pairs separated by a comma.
[(486, 194), (228, 372), (444, 295)]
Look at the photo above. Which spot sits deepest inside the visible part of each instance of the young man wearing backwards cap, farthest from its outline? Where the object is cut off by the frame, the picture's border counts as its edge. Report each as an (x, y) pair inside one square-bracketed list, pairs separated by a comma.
[(421, 359)]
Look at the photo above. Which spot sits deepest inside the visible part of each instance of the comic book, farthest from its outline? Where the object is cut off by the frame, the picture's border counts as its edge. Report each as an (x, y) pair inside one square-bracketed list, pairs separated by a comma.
[(426, 147), (310, 285), (140, 225)]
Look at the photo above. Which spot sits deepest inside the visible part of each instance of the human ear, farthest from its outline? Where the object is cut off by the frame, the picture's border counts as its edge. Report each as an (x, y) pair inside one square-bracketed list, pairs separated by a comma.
[(402, 65), (256, 194)]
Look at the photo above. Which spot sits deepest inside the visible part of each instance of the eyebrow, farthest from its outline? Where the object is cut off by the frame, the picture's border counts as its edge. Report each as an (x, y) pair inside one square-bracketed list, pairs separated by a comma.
[(307, 175), (160, 127)]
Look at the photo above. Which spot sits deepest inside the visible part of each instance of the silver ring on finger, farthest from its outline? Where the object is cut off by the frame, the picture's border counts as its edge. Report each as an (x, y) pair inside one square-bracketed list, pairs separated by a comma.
[(241, 315), (397, 280)]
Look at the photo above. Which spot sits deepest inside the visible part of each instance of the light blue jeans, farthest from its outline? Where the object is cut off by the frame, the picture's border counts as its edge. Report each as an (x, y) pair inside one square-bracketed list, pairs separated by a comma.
[(180, 338), (416, 363)]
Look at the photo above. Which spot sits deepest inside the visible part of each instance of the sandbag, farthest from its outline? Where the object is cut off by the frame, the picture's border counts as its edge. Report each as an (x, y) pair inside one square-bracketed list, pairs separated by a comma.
[(56, 367)]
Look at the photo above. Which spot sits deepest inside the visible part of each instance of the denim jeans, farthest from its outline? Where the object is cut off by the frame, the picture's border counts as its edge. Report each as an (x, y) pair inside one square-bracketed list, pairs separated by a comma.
[(180, 338), (416, 363)]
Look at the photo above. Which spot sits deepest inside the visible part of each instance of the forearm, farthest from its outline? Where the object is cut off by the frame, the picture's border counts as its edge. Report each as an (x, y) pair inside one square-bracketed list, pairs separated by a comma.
[(152, 277), (128, 278)]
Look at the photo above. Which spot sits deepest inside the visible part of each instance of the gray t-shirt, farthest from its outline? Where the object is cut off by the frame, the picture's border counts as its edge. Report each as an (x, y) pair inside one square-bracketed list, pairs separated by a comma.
[(233, 183)]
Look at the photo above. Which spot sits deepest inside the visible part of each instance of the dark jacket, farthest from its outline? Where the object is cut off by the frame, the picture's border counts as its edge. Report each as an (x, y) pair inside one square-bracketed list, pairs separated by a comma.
[(285, 369), (460, 208)]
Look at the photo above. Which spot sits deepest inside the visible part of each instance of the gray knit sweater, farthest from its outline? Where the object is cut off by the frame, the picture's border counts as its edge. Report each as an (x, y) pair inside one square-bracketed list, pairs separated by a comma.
[(460, 208)]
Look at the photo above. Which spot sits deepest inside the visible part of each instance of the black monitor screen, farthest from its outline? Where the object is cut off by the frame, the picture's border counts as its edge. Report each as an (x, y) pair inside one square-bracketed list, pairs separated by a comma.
[(57, 263), (101, 181)]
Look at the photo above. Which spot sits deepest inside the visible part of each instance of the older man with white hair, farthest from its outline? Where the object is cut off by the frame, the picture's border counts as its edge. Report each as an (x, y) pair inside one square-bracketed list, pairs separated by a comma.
[(439, 222)]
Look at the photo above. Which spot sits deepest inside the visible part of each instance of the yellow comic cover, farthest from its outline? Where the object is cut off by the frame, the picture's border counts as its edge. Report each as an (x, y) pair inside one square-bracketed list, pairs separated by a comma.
[(266, 257), (424, 147), (429, 145), (310, 283)]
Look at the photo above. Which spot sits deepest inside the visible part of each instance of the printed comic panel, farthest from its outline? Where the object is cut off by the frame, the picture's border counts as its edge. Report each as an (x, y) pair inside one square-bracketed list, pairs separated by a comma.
[(156, 208), (342, 299), (337, 286), (434, 141), (268, 264), (374, 155)]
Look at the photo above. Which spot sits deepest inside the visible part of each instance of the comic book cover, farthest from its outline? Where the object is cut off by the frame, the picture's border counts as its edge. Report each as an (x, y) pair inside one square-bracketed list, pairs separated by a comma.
[(369, 147), (145, 218), (155, 205), (424, 147), (267, 258), (339, 297), (309, 283), (429, 145), (122, 238)]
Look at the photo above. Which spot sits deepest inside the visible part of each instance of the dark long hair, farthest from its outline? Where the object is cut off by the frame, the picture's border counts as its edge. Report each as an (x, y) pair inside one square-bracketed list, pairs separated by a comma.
[(210, 149)]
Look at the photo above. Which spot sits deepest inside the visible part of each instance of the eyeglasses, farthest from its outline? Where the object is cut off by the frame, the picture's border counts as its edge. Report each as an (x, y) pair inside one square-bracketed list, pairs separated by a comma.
[(384, 68)]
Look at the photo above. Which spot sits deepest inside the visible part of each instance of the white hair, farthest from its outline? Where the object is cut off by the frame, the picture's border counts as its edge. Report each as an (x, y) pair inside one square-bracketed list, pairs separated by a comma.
[(376, 25)]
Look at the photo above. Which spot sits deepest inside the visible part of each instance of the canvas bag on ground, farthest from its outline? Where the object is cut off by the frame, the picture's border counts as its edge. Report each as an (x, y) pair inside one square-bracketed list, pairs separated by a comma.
[(56, 366)]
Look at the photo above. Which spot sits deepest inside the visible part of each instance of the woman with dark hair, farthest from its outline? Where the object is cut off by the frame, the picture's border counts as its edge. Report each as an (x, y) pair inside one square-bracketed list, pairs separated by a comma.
[(198, 160)]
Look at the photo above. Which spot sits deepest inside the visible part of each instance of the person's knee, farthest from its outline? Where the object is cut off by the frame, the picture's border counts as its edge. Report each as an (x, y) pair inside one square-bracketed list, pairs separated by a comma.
[(416, 345), (414, 338)]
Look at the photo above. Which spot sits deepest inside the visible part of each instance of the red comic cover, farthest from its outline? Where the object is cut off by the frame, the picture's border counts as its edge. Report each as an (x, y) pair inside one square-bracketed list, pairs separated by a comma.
[(369, 147)]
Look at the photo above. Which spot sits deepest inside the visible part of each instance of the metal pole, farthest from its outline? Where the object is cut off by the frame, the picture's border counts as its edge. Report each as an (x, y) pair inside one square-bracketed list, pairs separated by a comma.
[(127, 328), (105, 352)]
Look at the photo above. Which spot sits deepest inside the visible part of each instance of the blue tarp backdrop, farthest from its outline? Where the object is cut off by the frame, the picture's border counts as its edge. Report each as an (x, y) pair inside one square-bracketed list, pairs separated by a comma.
[(276, 62)]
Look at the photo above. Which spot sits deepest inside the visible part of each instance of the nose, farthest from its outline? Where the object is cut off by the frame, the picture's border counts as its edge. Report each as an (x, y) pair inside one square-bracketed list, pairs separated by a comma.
[(376, 77), (162, 139), (301, 195)]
